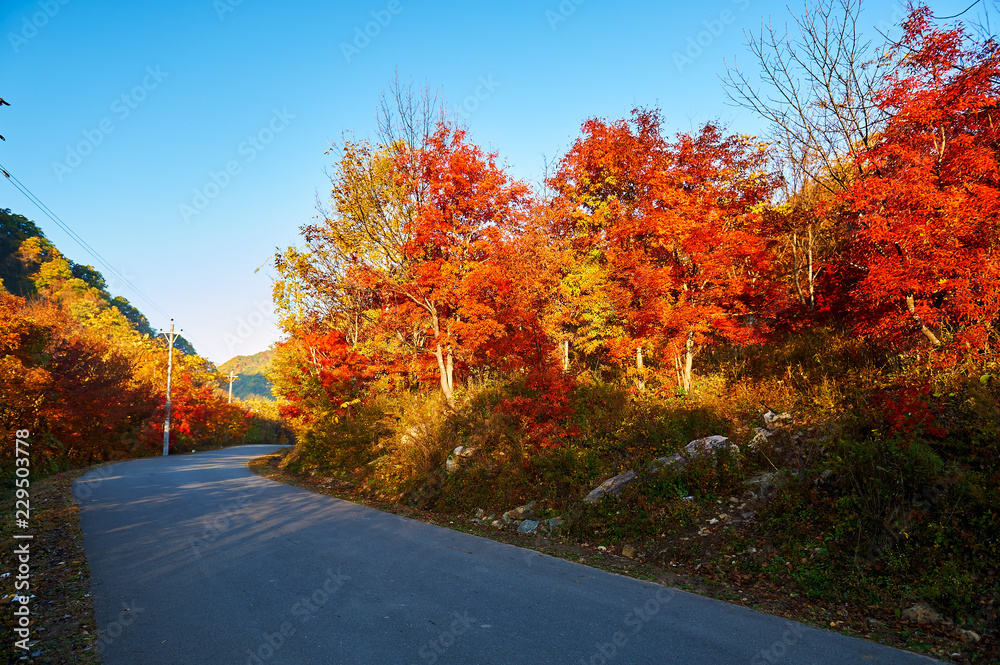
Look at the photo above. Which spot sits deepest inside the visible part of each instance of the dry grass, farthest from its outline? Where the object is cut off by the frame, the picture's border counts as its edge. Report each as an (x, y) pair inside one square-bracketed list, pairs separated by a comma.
[(63, 629)]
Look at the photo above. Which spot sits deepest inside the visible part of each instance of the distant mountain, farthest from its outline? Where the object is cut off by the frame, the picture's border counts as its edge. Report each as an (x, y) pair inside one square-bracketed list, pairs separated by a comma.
[(250, 370)]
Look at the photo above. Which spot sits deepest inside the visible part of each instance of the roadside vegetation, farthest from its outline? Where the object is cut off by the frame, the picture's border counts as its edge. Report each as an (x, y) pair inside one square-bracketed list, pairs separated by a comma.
[(850, 513), (467, 349), (461, 344), (85, 374)]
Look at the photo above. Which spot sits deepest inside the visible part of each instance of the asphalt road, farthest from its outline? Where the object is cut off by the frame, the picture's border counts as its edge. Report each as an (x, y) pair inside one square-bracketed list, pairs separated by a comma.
[(195, 560)]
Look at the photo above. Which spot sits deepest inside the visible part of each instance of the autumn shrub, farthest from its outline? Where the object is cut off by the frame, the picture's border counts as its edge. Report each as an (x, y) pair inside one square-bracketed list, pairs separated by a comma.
[(74, 390), (898, 502), (336, 445), (520, 450), (540, 401), (642, 515), (415, 442), (265, 424)]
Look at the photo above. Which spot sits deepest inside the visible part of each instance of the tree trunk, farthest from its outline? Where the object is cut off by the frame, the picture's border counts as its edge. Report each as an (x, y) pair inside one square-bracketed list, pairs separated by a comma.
[(688, 362), (923, 328), (804, 299), (446, 369), (796, 267), (565, 355), (812, 277), (640, 379)]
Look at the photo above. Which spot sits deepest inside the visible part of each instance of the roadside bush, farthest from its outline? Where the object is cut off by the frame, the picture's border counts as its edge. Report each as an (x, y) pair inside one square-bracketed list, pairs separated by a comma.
[(338, 446)]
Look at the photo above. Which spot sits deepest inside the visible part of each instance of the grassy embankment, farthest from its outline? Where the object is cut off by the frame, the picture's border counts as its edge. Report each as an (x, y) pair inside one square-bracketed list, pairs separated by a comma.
[(881, 492)]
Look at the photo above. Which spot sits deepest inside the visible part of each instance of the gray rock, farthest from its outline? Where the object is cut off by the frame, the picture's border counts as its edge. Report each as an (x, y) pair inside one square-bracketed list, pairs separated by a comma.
[(527, 510), (611, 486), (760, 437), (709, 444), (480, 513), (528, 526), (662, 463), (921, 613), (770, 417), (554, 524), (968, 635), (412, 435), (451, 465), (763, 483), (628, 551)]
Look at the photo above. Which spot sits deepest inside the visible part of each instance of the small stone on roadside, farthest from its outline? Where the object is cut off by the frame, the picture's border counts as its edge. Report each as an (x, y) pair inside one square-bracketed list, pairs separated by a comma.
[(920, 613), (968, 635), (528, 526)]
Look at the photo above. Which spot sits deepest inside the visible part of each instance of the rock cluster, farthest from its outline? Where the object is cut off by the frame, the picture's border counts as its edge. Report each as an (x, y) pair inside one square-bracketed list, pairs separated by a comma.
[(519, 518), (451, 465), (709, 445), (706, 446)]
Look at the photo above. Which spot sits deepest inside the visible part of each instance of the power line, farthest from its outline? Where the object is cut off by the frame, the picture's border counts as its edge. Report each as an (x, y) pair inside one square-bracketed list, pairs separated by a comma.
[(945, 18), (83, 243)]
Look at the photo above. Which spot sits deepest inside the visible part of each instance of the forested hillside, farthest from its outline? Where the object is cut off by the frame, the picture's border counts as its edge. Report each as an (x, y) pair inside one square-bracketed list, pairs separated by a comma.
[(84, 372), (252, 373), (459, 340)]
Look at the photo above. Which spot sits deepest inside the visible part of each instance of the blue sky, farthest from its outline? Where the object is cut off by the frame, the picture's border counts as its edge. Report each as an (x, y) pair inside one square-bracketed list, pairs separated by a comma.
[(184, 141)]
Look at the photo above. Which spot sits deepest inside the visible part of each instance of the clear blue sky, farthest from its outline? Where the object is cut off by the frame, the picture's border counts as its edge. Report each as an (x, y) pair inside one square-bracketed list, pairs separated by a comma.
[(121, 111)]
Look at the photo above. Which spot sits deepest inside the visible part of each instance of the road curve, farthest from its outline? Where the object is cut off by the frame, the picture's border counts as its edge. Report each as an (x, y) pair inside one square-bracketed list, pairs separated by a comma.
[(195, 560)]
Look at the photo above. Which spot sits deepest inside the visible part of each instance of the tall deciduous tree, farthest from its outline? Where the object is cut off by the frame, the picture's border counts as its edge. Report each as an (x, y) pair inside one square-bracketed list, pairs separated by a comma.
[(815, 80), (448, 283), (927, 235), (676, 228)]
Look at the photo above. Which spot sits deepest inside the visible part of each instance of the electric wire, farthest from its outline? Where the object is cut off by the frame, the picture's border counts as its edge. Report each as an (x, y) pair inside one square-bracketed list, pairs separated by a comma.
[(945, 18), (83, 243)]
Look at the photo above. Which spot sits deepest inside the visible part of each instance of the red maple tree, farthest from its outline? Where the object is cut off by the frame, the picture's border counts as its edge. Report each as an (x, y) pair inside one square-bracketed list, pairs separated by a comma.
[(926, 237), (676, 227)]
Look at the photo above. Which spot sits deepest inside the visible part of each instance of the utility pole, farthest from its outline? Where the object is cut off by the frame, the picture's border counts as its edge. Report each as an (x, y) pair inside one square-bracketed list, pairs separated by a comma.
[(171, 336), (231, 378)]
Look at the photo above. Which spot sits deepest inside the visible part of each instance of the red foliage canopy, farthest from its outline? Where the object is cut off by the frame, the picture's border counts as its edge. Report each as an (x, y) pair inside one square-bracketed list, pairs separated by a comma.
[(927, 235)]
